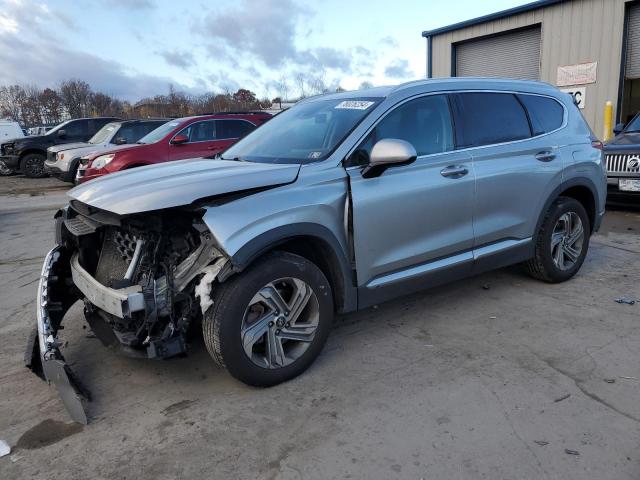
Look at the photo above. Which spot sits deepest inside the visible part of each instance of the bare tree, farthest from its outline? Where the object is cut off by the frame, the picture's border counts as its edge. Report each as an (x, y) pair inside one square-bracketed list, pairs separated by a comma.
[(31, 109), (283, 88), (77, 97), (11, 99), (51, 106), (102, 104)]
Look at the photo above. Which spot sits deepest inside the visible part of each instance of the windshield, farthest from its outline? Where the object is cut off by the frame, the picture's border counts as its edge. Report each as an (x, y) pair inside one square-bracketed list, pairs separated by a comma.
[(58, 127), (160, 132), (105, 133), (634, 125), (305, 133)]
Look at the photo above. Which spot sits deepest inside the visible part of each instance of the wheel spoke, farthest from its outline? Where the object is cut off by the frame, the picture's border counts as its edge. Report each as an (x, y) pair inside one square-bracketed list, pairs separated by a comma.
[(255, 332), (556, 238), (576, 234), (299, 299), (275, 352), (301, 333), (272, 297), (570, 252), (558, 258)]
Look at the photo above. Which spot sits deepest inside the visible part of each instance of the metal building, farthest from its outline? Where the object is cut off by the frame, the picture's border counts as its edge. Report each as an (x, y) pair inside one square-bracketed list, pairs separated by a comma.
[(590, 48)]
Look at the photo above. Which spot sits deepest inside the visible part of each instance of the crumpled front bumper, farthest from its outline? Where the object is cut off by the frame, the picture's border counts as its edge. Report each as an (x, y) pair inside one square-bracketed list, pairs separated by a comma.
[(43, 356)]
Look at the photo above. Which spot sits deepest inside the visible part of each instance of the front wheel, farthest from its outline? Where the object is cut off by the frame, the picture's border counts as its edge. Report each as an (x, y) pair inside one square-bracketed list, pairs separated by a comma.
[(562, 242), (269, 323), (32, 165)]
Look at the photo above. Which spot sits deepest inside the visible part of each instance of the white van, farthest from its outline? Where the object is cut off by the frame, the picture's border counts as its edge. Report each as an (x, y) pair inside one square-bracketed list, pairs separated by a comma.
[(9, 130)]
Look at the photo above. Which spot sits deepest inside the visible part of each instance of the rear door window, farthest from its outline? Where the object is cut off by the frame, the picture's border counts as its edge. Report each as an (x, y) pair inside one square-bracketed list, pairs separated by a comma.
[(546, 114), (489, 118), (228, 129)]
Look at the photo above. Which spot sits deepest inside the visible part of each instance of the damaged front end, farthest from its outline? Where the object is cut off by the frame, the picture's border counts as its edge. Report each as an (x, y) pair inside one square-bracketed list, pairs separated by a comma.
[(144, 280)]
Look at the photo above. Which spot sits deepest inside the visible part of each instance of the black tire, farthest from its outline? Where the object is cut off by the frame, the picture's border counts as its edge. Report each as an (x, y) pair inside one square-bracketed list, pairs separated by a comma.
[(542, 265), (32, 165), (221, 324), (70, 176)]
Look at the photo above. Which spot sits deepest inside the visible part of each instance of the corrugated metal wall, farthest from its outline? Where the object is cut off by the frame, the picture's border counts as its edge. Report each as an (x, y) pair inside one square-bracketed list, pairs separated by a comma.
[(573, 32), (632, 69)]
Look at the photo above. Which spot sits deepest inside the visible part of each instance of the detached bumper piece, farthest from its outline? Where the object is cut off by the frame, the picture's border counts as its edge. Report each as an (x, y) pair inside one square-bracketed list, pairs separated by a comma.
[(55, 295)]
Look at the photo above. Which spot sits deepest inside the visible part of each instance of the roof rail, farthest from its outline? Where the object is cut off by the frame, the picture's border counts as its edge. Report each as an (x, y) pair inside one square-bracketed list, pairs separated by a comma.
[(250, 112)]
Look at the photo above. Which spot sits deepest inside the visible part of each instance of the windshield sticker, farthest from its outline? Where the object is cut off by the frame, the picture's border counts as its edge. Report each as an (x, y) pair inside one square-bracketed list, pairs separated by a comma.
[(315, 154), (354, 104)]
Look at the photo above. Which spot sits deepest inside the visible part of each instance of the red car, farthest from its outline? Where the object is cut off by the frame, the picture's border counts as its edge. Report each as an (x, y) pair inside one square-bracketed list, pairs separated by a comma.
[(189, 137)]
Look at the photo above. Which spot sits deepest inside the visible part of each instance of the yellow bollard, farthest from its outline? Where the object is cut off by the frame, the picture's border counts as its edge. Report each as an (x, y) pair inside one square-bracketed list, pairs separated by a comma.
[(608, 122)]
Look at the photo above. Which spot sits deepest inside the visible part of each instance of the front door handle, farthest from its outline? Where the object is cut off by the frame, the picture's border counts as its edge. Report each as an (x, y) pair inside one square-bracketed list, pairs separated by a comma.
[(454, 171), (545, 156)]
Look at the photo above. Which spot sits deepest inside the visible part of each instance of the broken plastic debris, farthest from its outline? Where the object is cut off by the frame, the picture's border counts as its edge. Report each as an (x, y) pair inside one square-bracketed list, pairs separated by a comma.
[(571, 452), (542, 443), (610, 380), (625, 300), (5, 449)]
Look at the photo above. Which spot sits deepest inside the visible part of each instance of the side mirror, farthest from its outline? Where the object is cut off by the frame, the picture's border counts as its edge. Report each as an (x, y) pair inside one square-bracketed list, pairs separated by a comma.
[(618, 128), (179, 140), (120, 141), (389, 152), (62, 133)]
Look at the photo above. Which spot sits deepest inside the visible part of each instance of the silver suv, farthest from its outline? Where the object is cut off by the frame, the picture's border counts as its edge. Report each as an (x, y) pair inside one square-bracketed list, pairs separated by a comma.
[(342, 202)]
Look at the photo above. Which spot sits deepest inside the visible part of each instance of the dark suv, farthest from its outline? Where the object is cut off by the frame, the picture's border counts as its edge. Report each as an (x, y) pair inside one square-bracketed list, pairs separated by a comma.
[(27, 155), (623, 163)]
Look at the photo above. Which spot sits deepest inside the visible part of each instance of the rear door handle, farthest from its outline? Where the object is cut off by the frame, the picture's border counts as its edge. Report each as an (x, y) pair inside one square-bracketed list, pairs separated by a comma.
[(545, 156), (454, 171)]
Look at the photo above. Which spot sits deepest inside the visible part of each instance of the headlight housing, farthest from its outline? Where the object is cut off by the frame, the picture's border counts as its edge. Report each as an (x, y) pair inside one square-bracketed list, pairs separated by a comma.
[(102, 161)]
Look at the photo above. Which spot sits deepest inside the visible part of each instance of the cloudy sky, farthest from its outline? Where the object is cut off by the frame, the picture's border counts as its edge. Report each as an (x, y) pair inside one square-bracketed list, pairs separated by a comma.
[(136, 48)]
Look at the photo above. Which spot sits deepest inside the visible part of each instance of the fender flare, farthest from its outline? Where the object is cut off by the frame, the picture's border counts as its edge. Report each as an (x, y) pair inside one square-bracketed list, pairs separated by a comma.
[(572, 182), (272, 238)]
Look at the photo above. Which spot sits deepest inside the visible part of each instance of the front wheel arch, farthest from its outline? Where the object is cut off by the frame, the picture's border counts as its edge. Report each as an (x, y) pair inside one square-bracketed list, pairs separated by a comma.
[(315, 243)]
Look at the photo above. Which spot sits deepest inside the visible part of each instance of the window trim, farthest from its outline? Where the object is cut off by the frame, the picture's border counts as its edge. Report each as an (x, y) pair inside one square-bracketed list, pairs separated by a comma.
[(211, 120), (448, 93)]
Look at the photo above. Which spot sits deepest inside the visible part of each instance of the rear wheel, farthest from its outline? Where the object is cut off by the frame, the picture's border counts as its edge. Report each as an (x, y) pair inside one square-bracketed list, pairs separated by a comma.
[(562, 242), (32, 165), (268, 324)]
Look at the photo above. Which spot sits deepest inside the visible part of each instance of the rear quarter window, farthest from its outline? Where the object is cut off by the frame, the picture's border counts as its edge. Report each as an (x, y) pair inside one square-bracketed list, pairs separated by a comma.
[(546, 114), (489, 118)]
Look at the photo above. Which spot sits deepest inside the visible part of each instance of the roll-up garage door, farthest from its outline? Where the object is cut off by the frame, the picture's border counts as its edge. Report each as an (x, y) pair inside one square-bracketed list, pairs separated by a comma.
[(633, 43), (509, 55)]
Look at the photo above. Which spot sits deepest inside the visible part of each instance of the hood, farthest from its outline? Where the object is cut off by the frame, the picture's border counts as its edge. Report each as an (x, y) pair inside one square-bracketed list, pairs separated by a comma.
[(111, 148), (174, 184), (88, 149), (625, 141), (67, 146)]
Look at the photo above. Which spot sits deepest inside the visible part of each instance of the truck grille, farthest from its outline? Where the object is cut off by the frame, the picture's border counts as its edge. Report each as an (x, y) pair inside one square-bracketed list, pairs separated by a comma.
[(623, 163)]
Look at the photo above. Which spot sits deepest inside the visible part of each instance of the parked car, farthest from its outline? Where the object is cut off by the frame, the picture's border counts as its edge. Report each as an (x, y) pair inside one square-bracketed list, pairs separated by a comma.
[(622, 155), (339, 203), (27, 155), (190, 137), (63, 160)]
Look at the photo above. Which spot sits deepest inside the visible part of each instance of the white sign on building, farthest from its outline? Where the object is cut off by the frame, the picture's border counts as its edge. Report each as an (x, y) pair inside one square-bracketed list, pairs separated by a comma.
[(580, 74), (579, 95)]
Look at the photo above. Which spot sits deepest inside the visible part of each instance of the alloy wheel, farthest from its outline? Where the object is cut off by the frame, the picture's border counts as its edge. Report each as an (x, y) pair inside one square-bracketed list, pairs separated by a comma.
[(280, 323), (567, 240)]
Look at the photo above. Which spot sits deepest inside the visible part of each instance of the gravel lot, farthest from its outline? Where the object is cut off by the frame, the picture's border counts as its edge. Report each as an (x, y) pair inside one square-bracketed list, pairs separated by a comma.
[(497, 376)]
